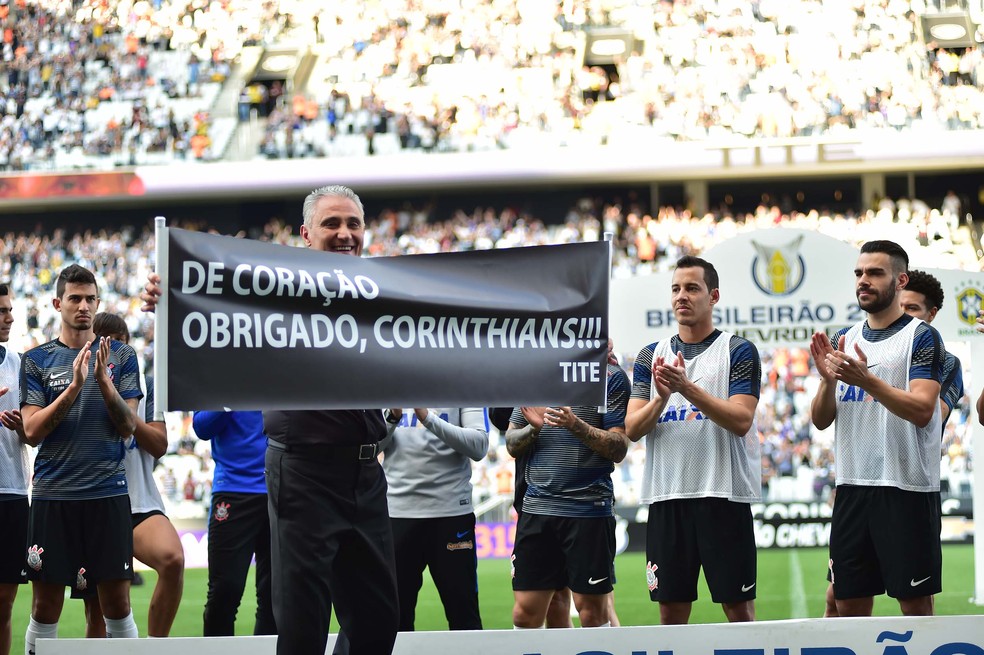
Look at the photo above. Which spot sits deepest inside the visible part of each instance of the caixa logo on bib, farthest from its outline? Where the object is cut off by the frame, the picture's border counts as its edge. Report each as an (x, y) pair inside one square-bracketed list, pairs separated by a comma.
[(778, 270)]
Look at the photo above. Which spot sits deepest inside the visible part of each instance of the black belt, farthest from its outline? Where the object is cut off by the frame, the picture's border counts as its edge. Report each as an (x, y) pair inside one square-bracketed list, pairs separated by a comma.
[(361, 452)]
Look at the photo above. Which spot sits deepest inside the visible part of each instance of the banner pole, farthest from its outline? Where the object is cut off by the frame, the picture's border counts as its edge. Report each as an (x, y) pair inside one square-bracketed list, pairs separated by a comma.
[(160, 321), (609, 238)]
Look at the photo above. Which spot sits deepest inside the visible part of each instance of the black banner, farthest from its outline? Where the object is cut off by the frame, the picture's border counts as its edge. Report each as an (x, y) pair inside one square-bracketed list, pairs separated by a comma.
[(253, 325)]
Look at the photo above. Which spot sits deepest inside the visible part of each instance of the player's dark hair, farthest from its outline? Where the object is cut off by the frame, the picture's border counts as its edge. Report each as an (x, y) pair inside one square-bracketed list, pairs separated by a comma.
[(924, 283), (710, 273), (898, 255), (110, 325), (4, 289), (74, 274)]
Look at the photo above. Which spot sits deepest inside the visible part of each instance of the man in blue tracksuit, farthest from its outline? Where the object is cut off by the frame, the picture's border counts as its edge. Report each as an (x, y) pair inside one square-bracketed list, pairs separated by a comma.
[(238, 523)]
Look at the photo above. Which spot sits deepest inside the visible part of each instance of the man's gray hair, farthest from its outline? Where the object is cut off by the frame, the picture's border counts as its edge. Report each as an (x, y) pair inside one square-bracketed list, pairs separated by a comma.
[(331, 190)]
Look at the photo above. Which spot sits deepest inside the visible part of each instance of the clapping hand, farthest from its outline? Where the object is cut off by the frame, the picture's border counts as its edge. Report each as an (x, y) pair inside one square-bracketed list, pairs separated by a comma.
[(670, 376)]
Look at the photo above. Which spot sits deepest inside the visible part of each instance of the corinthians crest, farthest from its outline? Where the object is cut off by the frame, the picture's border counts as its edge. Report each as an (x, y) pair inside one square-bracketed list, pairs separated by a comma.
[(778, 270), (221, 511), (34, 557)]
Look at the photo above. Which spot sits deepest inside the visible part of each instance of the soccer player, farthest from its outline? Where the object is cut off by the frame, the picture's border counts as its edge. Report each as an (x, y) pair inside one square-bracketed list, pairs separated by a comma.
[(155, 541), (14, 474), (238, 521), (427, 456), (922, 298), (331, 540), (79, 395), (566, 531), (559, 611), (694, 397), (881, 382)]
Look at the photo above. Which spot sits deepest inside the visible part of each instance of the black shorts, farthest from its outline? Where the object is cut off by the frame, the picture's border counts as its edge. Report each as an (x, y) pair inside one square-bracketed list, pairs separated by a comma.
[(13, 523), (885, 539), (686, 534), (78, 543), (553, 552), (137, 519)]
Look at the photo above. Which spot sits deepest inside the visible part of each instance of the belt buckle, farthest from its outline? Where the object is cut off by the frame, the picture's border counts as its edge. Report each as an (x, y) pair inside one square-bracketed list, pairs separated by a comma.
[(367, 451)]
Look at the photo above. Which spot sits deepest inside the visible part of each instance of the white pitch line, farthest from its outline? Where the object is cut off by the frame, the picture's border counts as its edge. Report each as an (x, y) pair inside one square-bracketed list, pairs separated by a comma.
[(797, 597)]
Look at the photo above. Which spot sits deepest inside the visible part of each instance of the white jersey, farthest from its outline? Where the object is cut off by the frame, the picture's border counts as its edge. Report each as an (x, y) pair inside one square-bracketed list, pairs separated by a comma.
[(690, 456), (144, 495), (14, 466), (873, 447)]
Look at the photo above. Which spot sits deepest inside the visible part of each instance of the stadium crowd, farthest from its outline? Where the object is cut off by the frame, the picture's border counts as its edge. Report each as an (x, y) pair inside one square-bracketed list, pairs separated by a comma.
[(797, 459), (96, 84), (479, 77), (101, 83)]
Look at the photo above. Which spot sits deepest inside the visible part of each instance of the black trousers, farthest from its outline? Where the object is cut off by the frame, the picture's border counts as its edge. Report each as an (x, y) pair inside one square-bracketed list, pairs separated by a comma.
[(445, 545), (238, 528), (332, 546)]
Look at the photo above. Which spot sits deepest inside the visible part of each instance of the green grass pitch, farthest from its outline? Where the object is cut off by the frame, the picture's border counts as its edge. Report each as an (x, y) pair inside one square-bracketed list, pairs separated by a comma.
[(791, 584)]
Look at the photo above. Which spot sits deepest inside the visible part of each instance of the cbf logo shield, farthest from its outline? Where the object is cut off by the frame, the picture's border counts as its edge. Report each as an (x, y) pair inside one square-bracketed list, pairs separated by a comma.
[(969, 303), (778, 270)]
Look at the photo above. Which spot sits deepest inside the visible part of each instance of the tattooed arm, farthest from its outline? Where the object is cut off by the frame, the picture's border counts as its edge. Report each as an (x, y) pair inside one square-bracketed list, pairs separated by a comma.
[(520, 439), (122, 413), (611, 444)]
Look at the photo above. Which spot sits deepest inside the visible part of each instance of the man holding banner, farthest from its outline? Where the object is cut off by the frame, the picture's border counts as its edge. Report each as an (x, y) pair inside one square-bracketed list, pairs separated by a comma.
[(694, 397), (881, 381), (329, 333), (332, 543)]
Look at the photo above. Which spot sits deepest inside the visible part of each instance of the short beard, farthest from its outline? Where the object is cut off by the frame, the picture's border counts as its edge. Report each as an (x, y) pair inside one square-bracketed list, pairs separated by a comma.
[(880, 304)]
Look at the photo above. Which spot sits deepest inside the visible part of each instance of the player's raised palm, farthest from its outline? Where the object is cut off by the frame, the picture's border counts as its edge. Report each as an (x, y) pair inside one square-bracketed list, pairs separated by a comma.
[(102, 359), (820, 347), (80, 366), (662, 390)]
